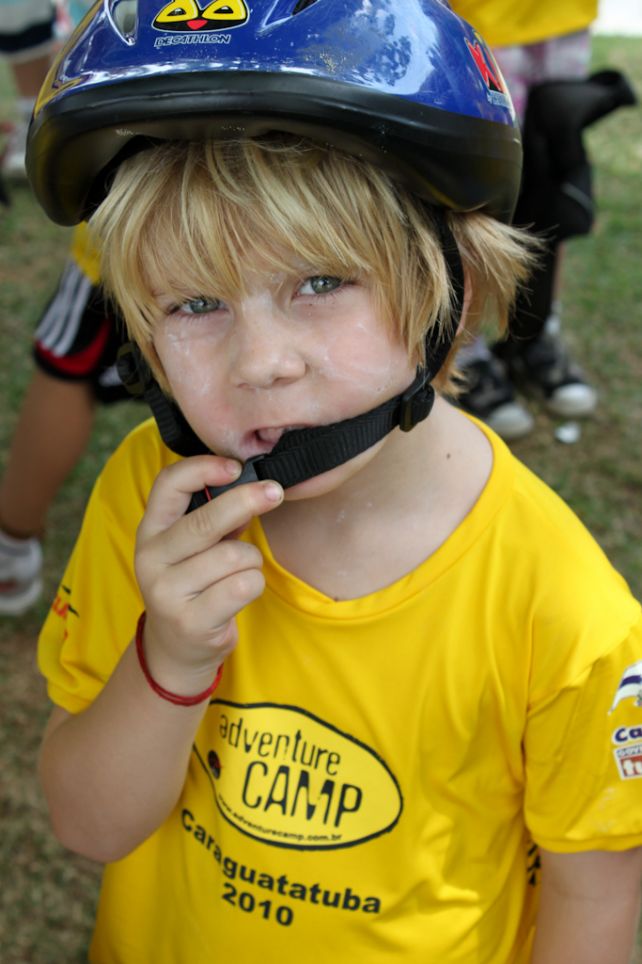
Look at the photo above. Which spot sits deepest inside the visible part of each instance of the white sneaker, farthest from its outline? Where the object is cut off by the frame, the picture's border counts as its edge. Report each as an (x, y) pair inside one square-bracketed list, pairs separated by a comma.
[(20, 574), (544, 368), (489, 396), (574, 400), (511, 421)]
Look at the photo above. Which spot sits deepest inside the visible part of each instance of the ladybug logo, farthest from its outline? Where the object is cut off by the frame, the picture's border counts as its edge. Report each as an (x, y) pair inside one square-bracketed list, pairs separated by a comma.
[(484, 61), (186, 15), (491, 75)]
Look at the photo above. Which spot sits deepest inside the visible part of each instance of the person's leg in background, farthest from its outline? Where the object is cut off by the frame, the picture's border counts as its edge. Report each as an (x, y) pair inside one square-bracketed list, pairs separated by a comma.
[(75, 352), (53, 429), (75, 348), (533, 357), (26, 42)]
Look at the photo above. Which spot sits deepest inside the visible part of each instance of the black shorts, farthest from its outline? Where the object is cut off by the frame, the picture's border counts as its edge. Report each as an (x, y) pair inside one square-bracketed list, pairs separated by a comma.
[(79, 335)]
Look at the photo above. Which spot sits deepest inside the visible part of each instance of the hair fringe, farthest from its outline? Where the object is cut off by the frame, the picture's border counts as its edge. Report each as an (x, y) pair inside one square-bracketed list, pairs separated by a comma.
[(193, 218)]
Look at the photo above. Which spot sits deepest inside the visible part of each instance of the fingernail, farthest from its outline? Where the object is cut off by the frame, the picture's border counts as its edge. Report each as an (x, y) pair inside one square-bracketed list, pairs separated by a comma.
[(233, 468), (273, 491)]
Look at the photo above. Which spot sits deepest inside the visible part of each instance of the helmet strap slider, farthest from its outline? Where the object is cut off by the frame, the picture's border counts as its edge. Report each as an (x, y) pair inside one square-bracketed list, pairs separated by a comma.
[(416, 402)]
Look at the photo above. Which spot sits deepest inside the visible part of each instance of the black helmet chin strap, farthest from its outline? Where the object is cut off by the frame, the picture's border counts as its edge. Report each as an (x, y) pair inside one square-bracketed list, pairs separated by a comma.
[(301, 454)]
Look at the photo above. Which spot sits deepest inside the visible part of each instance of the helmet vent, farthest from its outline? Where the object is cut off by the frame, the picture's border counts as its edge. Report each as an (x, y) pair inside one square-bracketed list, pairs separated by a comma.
[(124, 15), (302, 5)]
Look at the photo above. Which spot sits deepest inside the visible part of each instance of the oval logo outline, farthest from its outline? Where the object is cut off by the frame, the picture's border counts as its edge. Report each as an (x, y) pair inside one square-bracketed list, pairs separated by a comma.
[(351, 741)]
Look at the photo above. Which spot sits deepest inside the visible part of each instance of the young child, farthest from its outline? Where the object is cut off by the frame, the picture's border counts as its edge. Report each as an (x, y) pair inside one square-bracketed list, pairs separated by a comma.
[(364, 703)]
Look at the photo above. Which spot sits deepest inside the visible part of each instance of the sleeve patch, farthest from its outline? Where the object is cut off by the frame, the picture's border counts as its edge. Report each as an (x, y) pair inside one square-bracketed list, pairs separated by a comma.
[(630, 686)]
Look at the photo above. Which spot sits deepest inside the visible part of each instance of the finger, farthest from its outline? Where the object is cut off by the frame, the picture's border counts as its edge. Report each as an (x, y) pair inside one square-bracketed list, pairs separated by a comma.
[(184, 581), (221, 602), (205, 527), (175, 485)]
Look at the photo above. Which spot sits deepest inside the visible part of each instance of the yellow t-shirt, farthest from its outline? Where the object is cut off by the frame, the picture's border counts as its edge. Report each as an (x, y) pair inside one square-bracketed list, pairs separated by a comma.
[(508, 22), (84, 253), (369, 778)]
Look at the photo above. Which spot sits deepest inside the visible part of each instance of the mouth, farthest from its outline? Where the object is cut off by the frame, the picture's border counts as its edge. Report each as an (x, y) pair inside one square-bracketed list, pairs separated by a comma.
[(262, 440)]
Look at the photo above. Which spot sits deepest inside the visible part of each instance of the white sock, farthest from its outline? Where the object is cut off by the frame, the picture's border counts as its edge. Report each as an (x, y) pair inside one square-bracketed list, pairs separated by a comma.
[(17, 546)]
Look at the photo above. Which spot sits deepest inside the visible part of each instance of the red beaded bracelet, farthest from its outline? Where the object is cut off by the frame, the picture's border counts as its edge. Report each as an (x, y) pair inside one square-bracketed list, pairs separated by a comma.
[(160, 690)]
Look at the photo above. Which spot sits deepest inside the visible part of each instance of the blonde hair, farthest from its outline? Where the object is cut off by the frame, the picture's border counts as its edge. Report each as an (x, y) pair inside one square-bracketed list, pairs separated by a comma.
[(192, 217)]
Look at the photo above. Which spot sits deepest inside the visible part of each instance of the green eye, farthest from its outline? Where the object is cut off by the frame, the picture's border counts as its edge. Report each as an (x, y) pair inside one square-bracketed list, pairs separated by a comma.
[(200, 305), (321, 284)]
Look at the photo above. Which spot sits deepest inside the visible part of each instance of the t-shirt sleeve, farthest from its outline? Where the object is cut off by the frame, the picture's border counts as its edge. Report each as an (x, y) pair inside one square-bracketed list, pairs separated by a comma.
[(93, 617), (583, 755)]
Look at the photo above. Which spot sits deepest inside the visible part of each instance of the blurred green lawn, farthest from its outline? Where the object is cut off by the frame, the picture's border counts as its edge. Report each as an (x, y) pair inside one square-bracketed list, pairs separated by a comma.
[(46, 895)]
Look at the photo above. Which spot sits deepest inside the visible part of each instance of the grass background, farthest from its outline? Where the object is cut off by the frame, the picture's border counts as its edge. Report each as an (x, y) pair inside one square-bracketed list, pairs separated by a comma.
[(47, 896)]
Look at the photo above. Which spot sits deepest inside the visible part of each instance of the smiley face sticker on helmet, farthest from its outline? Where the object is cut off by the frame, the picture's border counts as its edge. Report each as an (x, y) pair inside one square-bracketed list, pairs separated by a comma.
[(187, 15)]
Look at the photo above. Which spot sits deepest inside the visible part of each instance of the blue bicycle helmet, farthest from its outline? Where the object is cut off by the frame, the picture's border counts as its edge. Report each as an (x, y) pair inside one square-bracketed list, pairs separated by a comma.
[(404, 84), (408, 85)]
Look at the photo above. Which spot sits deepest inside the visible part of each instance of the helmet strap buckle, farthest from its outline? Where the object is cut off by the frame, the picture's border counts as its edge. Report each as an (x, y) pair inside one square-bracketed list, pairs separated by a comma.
[(416, 402)]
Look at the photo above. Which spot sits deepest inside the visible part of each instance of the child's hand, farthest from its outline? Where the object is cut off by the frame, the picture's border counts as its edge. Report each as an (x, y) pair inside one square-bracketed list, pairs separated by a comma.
[(193, 579)]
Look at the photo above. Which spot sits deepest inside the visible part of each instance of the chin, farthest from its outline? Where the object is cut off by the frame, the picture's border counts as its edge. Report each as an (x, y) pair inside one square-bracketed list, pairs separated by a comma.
[(320, 485)]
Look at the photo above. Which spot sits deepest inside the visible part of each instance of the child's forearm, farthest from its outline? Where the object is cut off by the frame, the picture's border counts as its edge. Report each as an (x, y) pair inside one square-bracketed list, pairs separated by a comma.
[(113, 773), (589, 908)]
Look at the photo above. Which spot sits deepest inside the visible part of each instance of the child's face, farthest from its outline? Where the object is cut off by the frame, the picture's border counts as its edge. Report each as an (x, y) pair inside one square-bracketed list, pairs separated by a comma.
[(295, 350)]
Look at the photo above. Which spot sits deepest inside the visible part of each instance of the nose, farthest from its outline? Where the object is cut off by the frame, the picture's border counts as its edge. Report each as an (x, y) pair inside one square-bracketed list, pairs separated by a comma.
[(266, 352)]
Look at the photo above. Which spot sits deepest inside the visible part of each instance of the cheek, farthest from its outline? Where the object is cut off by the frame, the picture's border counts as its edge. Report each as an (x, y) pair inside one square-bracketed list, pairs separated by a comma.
[(366, 359), (195, 380), (189, 364)]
